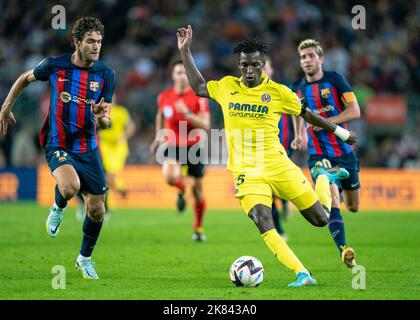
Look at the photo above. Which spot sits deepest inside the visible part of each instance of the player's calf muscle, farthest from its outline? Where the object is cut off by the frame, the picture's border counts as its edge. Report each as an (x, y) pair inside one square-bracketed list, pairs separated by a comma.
[(197, 190), (316, 215)]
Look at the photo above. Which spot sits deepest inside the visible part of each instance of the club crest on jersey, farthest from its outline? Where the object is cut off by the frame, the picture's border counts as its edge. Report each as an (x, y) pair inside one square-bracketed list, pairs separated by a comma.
[(94, 86), (265, 98), (325, 93)]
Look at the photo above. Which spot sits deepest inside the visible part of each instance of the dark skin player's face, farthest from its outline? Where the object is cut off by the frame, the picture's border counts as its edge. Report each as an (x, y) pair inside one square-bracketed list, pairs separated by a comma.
[(251, 66)]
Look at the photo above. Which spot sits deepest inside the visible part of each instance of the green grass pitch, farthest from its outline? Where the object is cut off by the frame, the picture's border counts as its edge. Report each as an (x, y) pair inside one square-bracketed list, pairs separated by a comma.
[(148, 254)]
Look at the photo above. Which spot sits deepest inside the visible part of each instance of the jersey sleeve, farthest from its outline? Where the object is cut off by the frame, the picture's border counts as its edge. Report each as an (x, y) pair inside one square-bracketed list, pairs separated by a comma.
[(43, 69), (344, 90), (290, 103), (109, 86), (214, 89)]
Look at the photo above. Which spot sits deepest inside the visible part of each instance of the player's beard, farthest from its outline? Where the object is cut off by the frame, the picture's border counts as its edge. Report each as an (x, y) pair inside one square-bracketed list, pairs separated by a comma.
[(86, 57), (313, 71)]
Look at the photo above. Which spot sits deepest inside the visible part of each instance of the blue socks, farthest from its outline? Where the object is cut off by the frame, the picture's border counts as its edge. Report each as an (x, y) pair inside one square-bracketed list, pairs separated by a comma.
[(336, 227), (276, 219), (59, 199), (91, 232)]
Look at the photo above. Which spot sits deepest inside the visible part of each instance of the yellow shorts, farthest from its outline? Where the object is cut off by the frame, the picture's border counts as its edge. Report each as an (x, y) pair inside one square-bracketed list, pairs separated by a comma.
[(288, 185), (113, 158)]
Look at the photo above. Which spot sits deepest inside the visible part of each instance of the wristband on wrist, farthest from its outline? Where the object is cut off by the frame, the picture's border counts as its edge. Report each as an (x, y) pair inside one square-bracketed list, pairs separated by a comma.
[(342, 133)]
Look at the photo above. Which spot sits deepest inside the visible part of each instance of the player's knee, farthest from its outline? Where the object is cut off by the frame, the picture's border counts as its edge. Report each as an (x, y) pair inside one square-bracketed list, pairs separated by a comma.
[(69, 190), (171, 180), (96, 211), (262, 219), (353, 207)]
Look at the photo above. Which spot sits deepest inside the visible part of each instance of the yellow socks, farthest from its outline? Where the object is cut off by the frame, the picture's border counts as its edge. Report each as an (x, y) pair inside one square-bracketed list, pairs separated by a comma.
[(322, 189), (282, 251)]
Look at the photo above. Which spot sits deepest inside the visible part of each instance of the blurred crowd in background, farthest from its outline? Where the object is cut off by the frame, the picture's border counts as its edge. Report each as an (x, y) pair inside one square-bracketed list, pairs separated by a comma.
[(140, 40)]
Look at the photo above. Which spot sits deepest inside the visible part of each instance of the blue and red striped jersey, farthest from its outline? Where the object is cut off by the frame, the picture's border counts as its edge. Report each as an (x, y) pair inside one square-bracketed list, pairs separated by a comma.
[(286, 131), (70, 124), (324, 98)]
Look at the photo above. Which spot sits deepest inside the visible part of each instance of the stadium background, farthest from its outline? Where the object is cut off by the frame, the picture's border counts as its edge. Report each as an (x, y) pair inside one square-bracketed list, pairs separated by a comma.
[(380, 62)]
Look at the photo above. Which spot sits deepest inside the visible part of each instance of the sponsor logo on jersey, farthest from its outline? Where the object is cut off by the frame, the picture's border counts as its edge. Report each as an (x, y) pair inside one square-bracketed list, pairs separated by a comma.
[(248, 107), (327, 108), (67, 97), (246, 110)]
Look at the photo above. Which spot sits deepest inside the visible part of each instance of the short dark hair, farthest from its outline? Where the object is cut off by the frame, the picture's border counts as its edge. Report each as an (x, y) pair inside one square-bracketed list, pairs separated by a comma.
[(175, 61), (252, 45), (87, 24)]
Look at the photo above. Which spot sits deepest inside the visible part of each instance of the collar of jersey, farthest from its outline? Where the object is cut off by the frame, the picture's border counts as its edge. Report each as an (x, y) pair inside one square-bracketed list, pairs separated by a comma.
[(264, 82)]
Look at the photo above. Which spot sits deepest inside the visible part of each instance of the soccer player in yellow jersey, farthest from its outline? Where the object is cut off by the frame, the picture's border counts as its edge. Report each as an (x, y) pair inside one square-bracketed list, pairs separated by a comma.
[(114, 148), (252, 106)]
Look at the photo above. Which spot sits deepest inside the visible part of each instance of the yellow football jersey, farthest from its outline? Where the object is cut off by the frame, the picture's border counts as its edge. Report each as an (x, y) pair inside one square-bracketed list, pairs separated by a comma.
[(251, 117), (112, 141), (119, 121)]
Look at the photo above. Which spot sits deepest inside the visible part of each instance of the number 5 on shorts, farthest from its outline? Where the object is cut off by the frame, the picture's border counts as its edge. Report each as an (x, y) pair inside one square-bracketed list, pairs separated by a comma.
[(240, 179)]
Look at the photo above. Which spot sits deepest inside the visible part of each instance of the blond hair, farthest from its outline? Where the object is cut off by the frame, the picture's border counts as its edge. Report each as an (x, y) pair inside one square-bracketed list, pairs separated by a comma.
[(311, 43)]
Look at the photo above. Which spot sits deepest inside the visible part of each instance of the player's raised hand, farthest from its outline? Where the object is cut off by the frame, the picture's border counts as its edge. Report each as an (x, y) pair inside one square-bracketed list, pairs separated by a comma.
[(184, 36), (6, 117), (99, 108), (352, 138)]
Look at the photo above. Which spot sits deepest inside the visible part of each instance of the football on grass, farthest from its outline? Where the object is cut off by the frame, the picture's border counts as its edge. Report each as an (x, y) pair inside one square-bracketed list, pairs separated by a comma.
[(247, 271)]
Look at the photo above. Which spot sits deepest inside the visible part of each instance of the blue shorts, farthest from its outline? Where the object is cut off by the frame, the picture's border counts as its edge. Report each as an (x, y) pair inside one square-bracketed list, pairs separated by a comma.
[(348, 161), (88, 166)]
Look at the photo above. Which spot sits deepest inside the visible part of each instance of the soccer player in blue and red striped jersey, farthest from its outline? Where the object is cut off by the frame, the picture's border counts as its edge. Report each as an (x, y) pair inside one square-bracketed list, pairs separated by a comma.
[(328, 94), (81, 89)]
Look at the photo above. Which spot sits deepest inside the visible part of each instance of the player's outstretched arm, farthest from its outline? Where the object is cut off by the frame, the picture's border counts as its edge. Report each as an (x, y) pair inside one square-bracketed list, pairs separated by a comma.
[(316, 120), (6, 115), (196, 80)]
